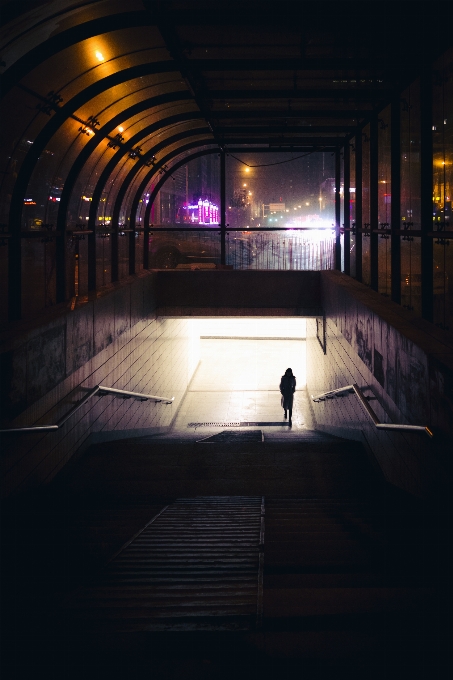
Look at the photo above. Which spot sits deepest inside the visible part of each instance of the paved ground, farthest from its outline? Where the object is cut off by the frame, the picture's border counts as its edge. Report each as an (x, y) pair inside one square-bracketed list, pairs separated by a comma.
[(238, 380)]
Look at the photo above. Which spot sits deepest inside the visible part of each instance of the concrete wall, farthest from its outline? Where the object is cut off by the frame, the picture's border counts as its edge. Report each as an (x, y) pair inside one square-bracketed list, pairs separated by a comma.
[(115, 340), (238, 293), (407, 366)]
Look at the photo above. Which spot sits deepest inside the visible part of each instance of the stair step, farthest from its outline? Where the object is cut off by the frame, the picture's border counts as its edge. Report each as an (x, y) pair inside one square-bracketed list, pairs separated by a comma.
[(333, 601)]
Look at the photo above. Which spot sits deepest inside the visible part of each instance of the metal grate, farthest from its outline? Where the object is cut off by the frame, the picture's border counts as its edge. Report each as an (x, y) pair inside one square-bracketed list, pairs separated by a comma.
[(195, 566), (239, 424)]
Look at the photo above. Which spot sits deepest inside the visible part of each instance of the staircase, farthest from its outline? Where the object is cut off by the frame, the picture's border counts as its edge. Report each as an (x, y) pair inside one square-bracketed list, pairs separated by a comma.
[(346, 571), (195, 566)]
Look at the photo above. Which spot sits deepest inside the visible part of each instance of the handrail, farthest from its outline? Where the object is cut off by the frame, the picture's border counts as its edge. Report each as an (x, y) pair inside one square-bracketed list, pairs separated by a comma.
[(363, 400), (102, 391)]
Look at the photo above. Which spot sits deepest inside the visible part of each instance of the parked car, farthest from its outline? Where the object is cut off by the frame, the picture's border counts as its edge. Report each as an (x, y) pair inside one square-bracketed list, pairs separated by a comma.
[(167, 249)]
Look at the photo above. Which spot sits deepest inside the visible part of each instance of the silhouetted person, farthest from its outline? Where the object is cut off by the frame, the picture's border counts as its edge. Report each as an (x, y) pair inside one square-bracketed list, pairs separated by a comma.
[(287, 388)]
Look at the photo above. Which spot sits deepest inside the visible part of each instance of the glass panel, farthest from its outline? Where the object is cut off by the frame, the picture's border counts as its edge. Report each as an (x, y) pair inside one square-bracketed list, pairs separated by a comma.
[(72, 268), (103, 257), (44, 190), (23, 123), (80, 201), (384, 201), (352, 207), (139, 238), (82, 273), (442, 188), (366, 271), (280, 189), (168, 249), (112, 187), (38, 274), (123, 254), (410, 198), (190, 197), (286, 249), (411, 273), (442, 295), (300, 250)]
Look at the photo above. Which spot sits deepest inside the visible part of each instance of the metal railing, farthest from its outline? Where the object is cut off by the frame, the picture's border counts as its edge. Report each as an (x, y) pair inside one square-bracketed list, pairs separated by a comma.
[(355, 389), (99, 390)]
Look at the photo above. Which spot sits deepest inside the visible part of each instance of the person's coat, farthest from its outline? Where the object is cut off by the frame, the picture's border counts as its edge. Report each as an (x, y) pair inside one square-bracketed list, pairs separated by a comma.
[(287, 388)]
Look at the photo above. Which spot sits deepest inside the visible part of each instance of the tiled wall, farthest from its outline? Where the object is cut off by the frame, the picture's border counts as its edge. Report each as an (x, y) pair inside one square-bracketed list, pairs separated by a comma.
[(101, 342), (406, 366)]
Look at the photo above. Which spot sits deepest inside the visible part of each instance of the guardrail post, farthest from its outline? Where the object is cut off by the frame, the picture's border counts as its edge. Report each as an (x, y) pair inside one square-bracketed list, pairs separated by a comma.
[(337, 209)]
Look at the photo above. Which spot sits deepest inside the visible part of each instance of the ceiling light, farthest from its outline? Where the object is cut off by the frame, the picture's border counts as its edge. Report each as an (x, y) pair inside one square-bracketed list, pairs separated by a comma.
[(99, 55)]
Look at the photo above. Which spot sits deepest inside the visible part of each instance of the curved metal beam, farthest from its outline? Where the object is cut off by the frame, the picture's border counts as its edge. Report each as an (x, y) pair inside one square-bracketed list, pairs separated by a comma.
[(77, 168), (102, 134), (61, 116), (41, 141), (69, 186)]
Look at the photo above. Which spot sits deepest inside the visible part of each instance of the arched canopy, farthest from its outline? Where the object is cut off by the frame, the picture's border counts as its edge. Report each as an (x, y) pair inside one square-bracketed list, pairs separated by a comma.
[(96, 94)]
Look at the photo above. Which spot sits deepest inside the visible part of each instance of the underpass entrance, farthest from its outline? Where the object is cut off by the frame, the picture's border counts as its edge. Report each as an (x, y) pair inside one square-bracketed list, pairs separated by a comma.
[(236, 383)]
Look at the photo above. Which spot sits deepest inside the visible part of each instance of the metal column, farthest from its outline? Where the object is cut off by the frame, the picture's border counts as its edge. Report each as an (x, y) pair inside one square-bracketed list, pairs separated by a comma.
[(337, 211), (222, 208), (426, 192), (347, 208), (395, 171), (358, 204), (374, 206)]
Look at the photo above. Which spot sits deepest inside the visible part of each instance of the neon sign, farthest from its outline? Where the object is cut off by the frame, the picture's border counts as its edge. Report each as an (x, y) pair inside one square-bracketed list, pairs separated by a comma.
[(203, 212)]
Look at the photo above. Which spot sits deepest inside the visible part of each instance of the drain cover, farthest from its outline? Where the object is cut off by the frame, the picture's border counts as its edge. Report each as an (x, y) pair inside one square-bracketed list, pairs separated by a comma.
[(232, 424), (229, 437)]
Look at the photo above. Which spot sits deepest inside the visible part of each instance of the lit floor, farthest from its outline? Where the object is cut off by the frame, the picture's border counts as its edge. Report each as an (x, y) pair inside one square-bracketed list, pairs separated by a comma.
[(238, 380)]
